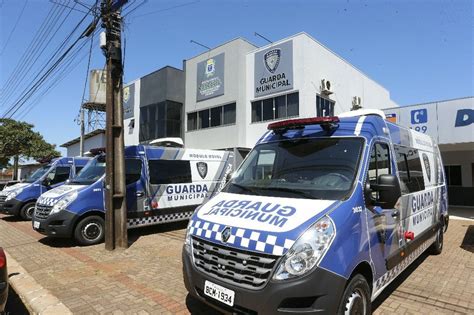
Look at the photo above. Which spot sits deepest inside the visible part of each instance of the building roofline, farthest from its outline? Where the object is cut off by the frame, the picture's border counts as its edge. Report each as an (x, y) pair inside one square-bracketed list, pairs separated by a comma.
[(325, 47), (86, 136), (224, 43), (433, 102)]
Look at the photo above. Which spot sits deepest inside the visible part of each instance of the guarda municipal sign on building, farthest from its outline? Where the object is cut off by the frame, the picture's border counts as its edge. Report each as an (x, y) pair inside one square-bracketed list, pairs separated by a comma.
[(210, 78), (274, 69)]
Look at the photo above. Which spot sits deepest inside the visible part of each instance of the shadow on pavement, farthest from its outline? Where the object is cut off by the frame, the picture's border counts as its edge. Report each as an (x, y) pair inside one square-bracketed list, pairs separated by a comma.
[(398, 281), (12, 218), (199, 308), (58, 242), (135, 234), (14, 304), (468, 241)]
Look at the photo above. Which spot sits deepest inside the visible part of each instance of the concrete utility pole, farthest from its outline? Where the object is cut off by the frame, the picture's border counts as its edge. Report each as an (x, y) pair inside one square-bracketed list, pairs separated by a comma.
[(81, 139), (115, 202)]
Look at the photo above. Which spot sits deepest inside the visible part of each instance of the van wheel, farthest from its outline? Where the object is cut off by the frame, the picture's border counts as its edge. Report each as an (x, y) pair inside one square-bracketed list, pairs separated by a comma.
[(437, 246), (90, 230), (26, 212), (356, 297)]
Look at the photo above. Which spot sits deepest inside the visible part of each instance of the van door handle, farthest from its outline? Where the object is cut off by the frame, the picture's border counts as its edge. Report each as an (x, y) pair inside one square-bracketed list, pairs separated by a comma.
[(140, 194), (395, 214)]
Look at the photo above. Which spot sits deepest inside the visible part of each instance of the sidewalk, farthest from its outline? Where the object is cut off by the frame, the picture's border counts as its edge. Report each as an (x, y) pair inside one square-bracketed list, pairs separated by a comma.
[(147, 277)]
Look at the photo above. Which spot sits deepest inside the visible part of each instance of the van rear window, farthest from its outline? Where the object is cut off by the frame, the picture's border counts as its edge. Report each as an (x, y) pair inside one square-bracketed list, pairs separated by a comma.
[(169, 172)]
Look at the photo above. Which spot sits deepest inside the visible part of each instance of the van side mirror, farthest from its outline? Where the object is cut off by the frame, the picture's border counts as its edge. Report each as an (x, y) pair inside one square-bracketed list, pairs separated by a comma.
[(47, 182), (228, 177), (388, 188)]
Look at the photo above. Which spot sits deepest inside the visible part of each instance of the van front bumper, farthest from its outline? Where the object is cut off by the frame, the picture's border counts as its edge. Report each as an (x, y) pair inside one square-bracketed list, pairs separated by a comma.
[(319, 292), (60, 224), (11, 206)]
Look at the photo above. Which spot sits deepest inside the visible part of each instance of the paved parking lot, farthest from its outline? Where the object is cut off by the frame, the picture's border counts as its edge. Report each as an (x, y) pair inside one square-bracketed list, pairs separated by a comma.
[(147, 277)]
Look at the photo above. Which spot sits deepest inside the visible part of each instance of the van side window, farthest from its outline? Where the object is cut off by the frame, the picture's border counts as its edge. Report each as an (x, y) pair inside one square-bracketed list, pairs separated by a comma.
[(78, 169), (59, 175), (379, 161), (169, 172), (379, 164), (409, 169), (133, 170)]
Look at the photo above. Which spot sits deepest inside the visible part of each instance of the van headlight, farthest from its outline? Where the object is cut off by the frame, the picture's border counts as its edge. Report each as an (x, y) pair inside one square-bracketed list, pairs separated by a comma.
[(64, 202), (187, 240), (307, 250), (12, 194)]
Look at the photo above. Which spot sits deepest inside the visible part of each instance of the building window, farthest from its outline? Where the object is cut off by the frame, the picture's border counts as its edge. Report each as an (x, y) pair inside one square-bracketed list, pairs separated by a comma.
[(276, 107), (212, 117), (324, 106), (160, 120), (453, 175)]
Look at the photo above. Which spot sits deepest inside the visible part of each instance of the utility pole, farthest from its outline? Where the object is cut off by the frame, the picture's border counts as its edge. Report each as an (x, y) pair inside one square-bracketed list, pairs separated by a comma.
[(81, 139), (115, 202)]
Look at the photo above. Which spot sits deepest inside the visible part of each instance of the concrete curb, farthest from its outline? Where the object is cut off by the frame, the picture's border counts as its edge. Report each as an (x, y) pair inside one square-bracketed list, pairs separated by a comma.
[(37, 299)]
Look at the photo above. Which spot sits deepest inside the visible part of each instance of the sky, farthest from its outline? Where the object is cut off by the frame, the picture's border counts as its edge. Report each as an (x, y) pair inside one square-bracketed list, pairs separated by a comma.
[(419, 50)]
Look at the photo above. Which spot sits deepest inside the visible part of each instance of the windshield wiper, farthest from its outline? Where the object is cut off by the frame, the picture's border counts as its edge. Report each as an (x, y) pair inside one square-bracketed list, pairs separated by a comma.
[(290, 190), (245, 188)]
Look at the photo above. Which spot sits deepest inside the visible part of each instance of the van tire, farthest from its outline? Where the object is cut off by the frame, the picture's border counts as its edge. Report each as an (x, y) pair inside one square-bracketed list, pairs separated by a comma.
[(437, 246), (356, 298), (27, 211), (90, 230)]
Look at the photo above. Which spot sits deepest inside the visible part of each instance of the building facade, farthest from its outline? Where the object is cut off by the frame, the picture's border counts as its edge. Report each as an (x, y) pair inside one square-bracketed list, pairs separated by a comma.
[(293, 77), (451, 124)]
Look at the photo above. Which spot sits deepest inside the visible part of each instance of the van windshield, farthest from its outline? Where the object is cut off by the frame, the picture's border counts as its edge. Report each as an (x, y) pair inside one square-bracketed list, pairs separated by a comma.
[(314, 168), (38, 174), (91, 172)]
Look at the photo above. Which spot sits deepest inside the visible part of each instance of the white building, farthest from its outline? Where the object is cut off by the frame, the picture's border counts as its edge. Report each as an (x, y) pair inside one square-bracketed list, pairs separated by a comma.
[(234, 90), (451, 124)]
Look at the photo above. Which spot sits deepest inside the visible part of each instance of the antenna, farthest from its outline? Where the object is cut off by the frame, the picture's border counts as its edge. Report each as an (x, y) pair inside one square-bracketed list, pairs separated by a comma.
[(261, 36), (195, 42)]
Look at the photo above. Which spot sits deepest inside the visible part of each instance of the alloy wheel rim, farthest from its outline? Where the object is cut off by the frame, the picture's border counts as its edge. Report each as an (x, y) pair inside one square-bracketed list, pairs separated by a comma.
[(92, 231)]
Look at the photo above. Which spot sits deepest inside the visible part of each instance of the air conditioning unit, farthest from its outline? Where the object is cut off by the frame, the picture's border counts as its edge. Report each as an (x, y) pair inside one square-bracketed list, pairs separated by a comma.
[(326, 87), (356, 102)]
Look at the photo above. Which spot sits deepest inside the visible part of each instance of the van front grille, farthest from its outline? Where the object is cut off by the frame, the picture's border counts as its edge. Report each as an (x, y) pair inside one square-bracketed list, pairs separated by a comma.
[(42, 211), (238, 267)]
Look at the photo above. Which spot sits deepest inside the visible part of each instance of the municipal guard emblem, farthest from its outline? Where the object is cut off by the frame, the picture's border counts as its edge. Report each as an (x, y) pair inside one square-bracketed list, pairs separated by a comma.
[(426, 161), (225, 234), (202, 169), (272, 59), (126, 94), (210, 67)]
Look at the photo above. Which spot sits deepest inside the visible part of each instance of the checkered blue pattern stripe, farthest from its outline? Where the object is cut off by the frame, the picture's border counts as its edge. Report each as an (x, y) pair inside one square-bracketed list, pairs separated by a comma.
[(164, 218), (47, 201), (387, 277), (264, 242)]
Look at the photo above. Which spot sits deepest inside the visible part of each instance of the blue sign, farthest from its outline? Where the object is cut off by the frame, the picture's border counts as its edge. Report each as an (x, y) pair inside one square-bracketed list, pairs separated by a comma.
[(464, 117), (419, 116)]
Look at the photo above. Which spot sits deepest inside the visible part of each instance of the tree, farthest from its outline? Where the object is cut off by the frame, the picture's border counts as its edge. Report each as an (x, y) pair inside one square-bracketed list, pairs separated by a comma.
[(18, 139)]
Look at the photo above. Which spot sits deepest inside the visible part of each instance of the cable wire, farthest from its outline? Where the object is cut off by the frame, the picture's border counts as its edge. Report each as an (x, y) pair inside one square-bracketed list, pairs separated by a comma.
[(14, 28)]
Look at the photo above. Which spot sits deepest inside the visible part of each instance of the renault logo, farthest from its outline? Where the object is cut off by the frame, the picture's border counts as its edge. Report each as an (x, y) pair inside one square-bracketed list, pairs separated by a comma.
[(226, 234)]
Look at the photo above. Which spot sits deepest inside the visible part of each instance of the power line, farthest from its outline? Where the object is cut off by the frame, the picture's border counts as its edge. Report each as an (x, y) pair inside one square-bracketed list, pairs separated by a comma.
[(14, 27), (59, 76), (33, 48), (29, 91)]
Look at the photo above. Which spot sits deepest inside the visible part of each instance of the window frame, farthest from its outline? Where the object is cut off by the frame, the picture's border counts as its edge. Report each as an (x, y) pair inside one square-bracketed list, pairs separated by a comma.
[(259, 103), (209, 113), (319, 110)]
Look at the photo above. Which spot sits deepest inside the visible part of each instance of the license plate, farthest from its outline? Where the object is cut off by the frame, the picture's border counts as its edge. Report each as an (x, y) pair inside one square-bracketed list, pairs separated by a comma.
[(219, 293), (36, 224)]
